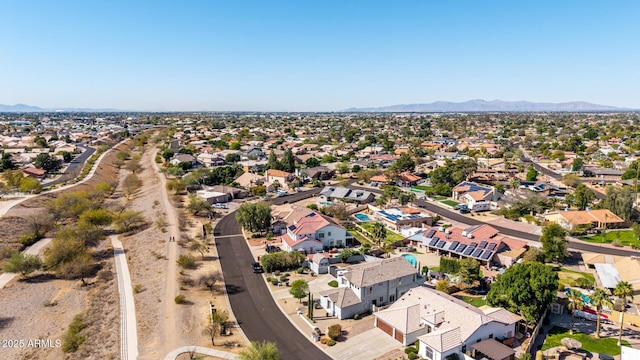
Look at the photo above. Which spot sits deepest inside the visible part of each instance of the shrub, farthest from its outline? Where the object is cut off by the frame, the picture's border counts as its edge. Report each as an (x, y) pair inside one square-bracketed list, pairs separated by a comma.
[(334, 331), (331, 342), (275, 281), (187, 262), (583, 283), (300, 270), (180, 299), (356, 317), (412, 356), (617, 243), (269, 278), (73, 339), (138, 288), (635, 246), (284, 278), (333, 283), (28, 239), (410, 349)]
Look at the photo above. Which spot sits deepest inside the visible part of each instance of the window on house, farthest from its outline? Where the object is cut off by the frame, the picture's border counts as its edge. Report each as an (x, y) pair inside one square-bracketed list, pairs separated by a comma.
[(392, 298), (464, 348), (329, 233), (331, 243), (428, 353), (381, 299), (370, 290), (339, 242), (491, 336), (321, 235)]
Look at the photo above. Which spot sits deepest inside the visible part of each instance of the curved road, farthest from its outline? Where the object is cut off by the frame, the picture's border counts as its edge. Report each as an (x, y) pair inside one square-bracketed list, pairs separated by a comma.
[(455, 216), (75, 166), (251, 301)]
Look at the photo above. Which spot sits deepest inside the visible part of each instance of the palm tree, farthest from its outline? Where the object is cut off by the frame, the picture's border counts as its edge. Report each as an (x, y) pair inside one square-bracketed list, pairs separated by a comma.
[(599, 299), (260, 351), (378, 232), (623, 291), (575, 303), (412, 198)]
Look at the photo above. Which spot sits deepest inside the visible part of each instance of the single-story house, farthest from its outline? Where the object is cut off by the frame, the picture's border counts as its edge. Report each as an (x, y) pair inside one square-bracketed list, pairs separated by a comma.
[(599, 218)]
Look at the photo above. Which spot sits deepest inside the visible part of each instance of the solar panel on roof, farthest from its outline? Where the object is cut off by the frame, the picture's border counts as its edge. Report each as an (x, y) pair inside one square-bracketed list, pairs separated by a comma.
[(473, 244), (477, 253), (461, 248), (453, 245), (436, 238), (440, 244), (431, 233), (433, 242), (492, 246), (486, 255), (468, 251), (483, 243)]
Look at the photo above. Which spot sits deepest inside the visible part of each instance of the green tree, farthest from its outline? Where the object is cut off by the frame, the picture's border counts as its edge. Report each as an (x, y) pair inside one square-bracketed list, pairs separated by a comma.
[(30, 185), (47, 162), (254, 217), (583, 196), (577, 164), (167, 155), (469, 271), (525, 289), (554, 242), (23, 264), (342, 168), (218, 322), (198, 205), (272, 161), (404, 163), (378, 232), (288, 162), (575, 303), (299, 289), (312, 162), (620, 202), (232, 158), (97, 217), (532, 174), (635, 227), (6, 163), (260, 351), (623, 291), (599, 299)]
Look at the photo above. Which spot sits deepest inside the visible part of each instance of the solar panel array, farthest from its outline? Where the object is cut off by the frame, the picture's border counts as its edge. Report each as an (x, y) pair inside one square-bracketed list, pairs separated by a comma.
[(483, 251)]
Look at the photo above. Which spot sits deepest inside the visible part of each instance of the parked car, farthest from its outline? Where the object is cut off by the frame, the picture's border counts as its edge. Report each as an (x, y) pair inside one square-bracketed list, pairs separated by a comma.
[(219, 206), (257, 268), (271, 248)]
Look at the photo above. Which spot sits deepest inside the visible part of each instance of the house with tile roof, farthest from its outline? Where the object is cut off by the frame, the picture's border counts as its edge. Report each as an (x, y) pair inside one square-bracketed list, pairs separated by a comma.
[(283, 177), (331, 193), (314, 232), (443, 324), (470, 193), (407, 179), (480, 242), (373, 283), (598, 218)]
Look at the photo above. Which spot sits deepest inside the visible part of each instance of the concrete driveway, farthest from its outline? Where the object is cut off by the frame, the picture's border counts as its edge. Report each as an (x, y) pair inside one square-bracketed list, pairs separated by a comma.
[(366, 346)]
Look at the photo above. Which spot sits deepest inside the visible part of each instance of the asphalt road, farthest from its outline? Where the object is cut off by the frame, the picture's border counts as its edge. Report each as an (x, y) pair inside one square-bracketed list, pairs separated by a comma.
[(252, 304), (75, 166), (455, 216)]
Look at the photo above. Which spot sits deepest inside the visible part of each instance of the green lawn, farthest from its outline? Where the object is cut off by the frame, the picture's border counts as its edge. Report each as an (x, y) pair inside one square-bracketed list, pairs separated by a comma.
[(361, 238), (568, 277), (626, 237), (476, 301), (423, 187), (450, 202), (589, 343), (439, 198), (391, 236)]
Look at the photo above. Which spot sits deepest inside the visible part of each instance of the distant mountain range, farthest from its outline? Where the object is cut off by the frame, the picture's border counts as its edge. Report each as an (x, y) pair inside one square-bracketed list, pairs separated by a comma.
[(22, 108), (491, 106)]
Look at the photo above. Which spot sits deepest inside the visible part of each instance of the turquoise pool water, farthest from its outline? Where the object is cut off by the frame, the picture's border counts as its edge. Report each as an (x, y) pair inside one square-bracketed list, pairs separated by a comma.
[(410, 258), (325, 203), (362, 217)]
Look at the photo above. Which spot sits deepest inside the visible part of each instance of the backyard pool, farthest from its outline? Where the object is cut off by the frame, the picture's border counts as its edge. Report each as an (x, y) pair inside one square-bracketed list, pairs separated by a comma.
[(410, 258), (325, 203), (362, 217)]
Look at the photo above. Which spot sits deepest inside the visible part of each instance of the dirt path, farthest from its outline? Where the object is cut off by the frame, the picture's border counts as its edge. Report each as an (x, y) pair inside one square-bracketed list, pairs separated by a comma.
[(34, 249), (172, 256)]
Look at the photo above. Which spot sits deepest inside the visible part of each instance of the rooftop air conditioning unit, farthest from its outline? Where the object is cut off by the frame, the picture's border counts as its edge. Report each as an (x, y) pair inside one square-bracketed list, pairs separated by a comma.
[(470, 235), (447, 231)]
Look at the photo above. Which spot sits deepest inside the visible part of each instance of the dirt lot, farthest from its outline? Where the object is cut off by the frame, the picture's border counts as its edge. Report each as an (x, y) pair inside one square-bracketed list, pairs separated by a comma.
[(24, 314)]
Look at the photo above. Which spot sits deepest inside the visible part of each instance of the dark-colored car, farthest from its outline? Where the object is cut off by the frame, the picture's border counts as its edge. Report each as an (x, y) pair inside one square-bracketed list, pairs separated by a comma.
[(465, 211), (257, 268), (271, 248)]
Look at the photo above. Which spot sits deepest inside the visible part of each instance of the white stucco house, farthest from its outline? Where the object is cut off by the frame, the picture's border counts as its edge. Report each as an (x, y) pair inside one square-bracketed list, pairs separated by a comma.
[(445, 325), (314, 232), (363, 286)]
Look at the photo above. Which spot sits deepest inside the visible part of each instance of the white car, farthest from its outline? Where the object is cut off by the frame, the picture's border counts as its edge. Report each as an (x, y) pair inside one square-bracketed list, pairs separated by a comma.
[(219, 206)]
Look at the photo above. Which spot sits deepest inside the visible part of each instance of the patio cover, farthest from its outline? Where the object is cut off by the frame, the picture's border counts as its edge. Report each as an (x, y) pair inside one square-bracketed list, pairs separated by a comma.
[(493, 349), (608, 275)]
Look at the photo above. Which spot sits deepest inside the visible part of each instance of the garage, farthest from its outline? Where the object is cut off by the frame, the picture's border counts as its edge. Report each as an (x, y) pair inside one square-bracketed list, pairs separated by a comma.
[(385, 327)]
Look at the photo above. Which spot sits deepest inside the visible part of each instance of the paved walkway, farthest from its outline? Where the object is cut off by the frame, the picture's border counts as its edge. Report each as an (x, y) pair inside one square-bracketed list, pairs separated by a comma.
[(31, 250), (365, 346), (200, 350), (128, 328)]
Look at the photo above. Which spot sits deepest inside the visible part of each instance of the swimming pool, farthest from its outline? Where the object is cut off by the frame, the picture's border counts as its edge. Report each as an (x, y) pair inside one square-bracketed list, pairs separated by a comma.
[(410, 258), (325, 203), (362, 217)]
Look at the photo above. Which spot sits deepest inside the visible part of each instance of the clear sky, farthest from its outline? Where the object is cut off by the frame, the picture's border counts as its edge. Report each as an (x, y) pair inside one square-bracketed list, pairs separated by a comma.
[(315, 55)]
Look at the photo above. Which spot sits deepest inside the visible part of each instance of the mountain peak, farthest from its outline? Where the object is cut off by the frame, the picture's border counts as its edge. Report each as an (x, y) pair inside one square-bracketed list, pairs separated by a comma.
[(481, 105)]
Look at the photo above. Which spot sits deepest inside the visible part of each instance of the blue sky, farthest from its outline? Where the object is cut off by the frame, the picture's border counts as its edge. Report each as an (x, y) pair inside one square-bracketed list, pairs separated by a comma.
[(315, 55)]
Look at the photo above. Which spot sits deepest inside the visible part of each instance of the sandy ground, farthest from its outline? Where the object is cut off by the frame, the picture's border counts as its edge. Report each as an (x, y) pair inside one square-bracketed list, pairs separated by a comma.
[(24, 315), (162, 324)]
